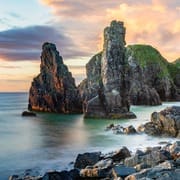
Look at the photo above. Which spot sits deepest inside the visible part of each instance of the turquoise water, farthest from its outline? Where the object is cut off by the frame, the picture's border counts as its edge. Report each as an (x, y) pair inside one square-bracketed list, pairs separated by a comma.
[(51, 141)]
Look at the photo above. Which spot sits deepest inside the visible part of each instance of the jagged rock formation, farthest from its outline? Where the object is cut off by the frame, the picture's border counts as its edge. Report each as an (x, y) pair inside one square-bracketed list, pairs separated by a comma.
[(150, 80), (151, 77), (54, 90), (107, 77), (165, 122)]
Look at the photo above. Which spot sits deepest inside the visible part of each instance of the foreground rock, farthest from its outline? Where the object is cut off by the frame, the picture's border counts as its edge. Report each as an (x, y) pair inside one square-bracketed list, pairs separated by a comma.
[(153, 163), (87, 159), (118, 129), (28, 113), (111, 90), (54, 90), (165, 122)]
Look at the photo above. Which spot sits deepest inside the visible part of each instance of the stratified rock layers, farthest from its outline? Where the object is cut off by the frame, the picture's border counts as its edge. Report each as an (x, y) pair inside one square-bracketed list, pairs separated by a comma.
[(54, 90), (109, 78)]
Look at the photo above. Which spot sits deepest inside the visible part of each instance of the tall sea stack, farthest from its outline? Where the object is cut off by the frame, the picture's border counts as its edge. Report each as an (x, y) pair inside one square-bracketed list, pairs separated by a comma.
[(112, 100), (54, 89)]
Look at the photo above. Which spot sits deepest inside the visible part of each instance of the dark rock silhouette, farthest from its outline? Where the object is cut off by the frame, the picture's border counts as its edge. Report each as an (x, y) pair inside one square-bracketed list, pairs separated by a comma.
[(54, 90)]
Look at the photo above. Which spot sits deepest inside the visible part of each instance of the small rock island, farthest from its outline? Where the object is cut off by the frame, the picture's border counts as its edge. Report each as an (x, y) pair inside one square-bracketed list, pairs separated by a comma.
[(54, 89), (112, 84)]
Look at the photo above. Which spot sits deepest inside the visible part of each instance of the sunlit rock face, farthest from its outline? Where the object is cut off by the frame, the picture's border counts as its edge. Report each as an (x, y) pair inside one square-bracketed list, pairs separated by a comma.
[(111, 79), (54, 90)]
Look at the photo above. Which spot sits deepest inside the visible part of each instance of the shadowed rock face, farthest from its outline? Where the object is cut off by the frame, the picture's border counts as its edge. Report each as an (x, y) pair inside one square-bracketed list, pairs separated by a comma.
[(54, 90), (108, 79), (147, 76)]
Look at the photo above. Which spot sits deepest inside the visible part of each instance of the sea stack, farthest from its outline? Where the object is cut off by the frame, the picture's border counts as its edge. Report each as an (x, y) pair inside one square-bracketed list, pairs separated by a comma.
[(112, 100), (54, 89)]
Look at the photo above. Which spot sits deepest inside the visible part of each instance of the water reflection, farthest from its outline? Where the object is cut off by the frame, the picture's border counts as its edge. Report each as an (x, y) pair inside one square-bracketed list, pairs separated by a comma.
[(62, 131)]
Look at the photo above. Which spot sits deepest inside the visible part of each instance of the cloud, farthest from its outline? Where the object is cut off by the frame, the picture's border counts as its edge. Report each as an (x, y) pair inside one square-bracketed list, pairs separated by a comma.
[(25, 43), (9, 67), (148, 21)]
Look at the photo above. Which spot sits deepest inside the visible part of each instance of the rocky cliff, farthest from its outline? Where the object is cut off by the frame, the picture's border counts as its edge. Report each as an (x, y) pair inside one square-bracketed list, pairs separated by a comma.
[(54, 90), (106, 90), (149, 77)]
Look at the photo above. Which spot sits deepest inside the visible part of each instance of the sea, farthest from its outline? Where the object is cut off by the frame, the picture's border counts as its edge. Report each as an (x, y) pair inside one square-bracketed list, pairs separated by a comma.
[(52, 141)]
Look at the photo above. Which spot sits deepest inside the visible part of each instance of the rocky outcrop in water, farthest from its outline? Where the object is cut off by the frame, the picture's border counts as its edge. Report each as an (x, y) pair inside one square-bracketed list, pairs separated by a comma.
[(106, 87), (165, 122), (149, 77), (160, 162), (54, 90)]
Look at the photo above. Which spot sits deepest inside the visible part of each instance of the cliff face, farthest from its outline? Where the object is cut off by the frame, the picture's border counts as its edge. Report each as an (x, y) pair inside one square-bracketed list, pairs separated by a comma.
[(151, 78), (107, 86), (54, 90)]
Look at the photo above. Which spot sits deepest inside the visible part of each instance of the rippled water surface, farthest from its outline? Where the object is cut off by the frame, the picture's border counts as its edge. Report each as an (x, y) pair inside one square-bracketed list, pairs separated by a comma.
[(52, 141)]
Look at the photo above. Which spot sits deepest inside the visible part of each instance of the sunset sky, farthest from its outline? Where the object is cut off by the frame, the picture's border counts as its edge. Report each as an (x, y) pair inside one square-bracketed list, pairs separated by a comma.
[(76, 27)]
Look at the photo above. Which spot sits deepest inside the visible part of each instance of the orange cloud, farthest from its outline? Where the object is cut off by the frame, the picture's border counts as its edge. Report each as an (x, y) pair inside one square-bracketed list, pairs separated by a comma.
[(155, 22)]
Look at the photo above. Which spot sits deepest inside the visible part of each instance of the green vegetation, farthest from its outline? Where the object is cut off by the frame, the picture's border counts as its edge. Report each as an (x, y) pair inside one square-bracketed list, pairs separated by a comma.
[(147, 55), (174, 68)]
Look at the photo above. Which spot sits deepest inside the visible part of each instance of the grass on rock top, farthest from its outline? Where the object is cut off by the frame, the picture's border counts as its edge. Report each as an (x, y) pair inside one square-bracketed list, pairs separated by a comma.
[(147, 55)]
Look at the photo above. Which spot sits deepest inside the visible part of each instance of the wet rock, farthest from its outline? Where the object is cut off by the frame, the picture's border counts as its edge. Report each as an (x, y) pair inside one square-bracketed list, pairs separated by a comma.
[(156, 173), (57, 176), (121, 154), (149, 159), (122, 171), (54, 89), (109, 127), (26, 177), (130, 130), (95, 173), (87, 159), (13, 177), (141, 128), (28, 113), (165, 122), (105, 163), (174, 150)]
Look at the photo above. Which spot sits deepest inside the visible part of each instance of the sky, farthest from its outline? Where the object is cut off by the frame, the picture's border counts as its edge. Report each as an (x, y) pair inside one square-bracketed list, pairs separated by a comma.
[(76, 27)]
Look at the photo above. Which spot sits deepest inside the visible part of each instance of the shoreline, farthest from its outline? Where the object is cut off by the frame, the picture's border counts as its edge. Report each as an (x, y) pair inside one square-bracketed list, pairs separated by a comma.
[(133, 164)]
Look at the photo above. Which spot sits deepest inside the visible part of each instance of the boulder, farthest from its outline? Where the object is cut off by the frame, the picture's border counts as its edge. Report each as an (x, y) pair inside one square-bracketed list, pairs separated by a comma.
[(156, 173), (105, 163), (28, 113), (130, 130), (95, 173), (57, 176), (165, 122), (54, 89), (122, 171), (120, 154), (149, 159), (87, 159)]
